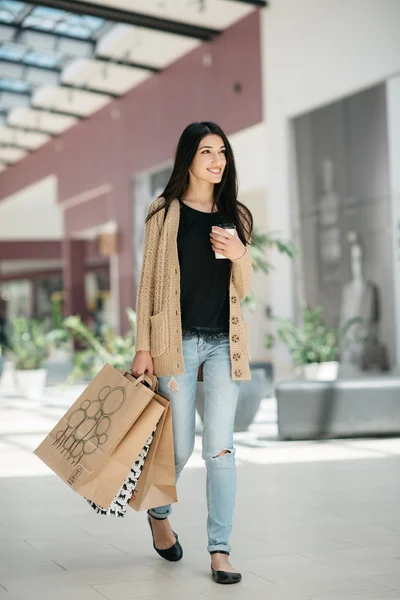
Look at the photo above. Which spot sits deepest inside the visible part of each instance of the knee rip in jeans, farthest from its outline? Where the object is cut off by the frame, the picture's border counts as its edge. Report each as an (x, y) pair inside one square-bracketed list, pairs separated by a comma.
[(172, 384), (223, 453)]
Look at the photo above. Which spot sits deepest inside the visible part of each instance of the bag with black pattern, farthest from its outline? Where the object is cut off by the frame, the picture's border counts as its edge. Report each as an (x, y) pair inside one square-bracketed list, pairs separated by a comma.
[(118, 432)]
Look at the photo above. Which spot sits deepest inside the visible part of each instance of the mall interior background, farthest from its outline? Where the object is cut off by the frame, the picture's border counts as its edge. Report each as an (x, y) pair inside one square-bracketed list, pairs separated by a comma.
[(313, 113)]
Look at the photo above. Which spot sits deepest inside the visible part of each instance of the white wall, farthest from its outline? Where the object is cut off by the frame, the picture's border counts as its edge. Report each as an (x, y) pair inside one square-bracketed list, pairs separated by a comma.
[(315, 52), (32, 213), (393, 117), (250, 150)]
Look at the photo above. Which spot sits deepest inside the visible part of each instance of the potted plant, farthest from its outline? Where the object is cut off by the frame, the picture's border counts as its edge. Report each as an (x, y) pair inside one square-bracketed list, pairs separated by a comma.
[(314, 346), (29, 345), (106, 347), (252, 392), (62, 346), (3, 336)]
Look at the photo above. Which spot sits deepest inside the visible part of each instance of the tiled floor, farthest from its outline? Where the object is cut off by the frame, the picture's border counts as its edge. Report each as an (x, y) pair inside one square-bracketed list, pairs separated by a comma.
[(313, 521)]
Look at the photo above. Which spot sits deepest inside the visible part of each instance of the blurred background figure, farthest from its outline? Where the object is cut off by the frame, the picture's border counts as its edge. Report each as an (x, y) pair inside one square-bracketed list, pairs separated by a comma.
[(329, 220), (360, 303)]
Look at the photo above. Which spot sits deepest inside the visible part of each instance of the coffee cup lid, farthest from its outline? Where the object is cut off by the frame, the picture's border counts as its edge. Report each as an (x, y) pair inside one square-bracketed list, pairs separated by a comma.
[(227, 226)]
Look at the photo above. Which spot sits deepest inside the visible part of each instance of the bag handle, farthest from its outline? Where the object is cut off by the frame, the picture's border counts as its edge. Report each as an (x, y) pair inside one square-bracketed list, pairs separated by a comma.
[(146, 379)]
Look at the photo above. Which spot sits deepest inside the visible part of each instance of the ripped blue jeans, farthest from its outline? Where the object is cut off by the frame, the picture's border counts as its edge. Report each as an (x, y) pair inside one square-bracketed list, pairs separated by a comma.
[(220, 401)]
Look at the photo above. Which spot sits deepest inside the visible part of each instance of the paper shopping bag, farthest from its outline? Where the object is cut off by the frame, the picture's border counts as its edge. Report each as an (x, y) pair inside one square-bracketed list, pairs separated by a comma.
[(95, 444), (119, 505), (156, 485)]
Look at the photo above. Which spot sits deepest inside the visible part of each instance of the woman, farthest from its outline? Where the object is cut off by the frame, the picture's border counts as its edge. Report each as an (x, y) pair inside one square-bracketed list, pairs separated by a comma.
[(189, 322)]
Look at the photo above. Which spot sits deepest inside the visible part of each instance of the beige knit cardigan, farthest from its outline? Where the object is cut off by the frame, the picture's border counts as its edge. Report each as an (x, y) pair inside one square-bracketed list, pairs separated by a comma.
[(158, 303)]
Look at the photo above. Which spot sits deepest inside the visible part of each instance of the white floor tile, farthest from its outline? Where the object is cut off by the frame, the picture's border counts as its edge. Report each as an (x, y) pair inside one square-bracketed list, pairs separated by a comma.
[(76, 593), (313, 521)]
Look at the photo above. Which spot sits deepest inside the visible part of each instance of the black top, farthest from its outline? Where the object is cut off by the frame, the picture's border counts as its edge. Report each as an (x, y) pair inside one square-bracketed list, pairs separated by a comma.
[(204, 279)]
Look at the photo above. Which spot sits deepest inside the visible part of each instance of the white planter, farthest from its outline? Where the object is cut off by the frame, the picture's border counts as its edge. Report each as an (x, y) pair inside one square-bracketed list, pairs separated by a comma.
[(31, 383), (326, 371)]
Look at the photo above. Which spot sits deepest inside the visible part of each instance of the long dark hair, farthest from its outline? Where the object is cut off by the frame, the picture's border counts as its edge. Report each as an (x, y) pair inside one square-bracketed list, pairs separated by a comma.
[(225, 192)]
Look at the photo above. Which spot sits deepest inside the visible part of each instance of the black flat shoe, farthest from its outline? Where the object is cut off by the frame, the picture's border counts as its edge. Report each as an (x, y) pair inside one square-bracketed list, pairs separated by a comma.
[(225, 577), (172, 554)]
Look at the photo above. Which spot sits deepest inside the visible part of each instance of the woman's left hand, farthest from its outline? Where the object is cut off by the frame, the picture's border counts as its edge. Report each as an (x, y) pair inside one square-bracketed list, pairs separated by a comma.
[(227, 244)]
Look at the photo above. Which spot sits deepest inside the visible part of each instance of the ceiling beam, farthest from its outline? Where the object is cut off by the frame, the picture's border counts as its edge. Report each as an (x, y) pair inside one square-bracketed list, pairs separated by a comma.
[(22, 129), (54, 111), (77, 87), (128, 17), (25, 13), (15, 146), (258, 3), (19, 29), (21, 63), (126, 63), (117, 61), (87, 88), (21, 249)]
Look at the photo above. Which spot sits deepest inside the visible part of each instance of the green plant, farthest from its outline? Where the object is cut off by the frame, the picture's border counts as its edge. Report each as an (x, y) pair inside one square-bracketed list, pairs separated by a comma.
[(261, 242), (59, 338), (107, 347), (29, 343), (57, 299), (312, 341)]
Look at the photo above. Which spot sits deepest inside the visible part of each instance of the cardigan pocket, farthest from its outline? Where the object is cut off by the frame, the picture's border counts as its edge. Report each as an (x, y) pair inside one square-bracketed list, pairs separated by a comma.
[(158, 334)]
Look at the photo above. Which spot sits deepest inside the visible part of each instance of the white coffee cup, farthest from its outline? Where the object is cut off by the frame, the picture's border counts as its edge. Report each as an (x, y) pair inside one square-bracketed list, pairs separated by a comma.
[(230, 228)]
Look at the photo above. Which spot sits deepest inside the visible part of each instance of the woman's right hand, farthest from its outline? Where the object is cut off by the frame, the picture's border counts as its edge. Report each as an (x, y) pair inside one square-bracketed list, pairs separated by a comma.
[(142, 363)]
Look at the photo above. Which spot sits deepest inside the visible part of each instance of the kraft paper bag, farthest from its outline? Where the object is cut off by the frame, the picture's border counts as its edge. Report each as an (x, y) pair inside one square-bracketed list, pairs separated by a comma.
[(156, 485), (95, 444), (118, 507)]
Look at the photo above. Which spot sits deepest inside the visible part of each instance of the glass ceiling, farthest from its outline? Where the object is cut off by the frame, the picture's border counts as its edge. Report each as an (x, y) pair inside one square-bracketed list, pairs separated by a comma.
[(25, 17), (59, 21), (14, 85), (12, 51), (44, 39), (36, 39), (9, 10), (42, 18), (20, 54), (42, 59)]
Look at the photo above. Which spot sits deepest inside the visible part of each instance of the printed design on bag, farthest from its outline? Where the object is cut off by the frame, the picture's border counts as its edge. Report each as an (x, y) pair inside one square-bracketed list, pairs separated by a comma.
[(119, 505), (88, 425), (74, 476)]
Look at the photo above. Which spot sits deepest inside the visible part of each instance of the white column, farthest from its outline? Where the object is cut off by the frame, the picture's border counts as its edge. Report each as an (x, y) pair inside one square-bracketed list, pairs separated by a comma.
[(393, 124), (278, 214)]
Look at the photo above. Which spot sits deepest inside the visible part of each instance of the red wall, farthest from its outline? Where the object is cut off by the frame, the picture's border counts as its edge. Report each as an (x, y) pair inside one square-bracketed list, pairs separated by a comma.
[(43, 250), (141, 130)]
